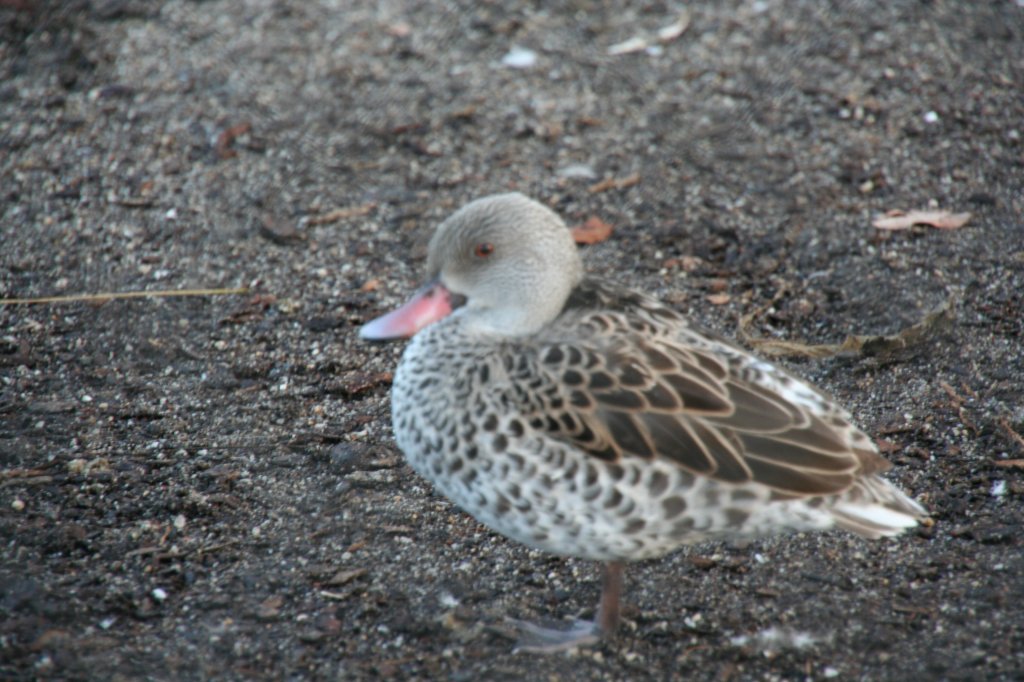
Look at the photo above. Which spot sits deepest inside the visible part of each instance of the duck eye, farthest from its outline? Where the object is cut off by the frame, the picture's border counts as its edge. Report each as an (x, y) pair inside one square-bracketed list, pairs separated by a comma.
[(484, 250)]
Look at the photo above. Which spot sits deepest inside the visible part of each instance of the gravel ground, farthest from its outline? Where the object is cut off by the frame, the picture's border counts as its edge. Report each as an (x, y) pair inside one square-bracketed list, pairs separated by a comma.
[(206, 487)]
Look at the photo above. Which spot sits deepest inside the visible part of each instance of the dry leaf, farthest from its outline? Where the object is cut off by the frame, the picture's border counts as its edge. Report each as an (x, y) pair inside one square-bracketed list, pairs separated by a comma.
[(719, 299), (943, 220), (592, 231)]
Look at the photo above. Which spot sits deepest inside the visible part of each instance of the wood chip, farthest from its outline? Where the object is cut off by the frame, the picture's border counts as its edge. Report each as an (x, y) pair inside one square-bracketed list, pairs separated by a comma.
[(227, 138), (719, 299), (399, 29), (270, 608), (900, 220), (686, 263), (133, 202), (592, 231), (356, 383), (634, 44), (951, 392), (22, 473), (335, 596), (1004, 424), (342, 213), (718, 284), (343, 577), (887, 446), (614, 183)]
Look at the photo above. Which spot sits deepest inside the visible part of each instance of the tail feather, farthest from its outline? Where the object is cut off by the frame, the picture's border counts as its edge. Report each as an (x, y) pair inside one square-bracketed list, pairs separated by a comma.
[(875, 508)]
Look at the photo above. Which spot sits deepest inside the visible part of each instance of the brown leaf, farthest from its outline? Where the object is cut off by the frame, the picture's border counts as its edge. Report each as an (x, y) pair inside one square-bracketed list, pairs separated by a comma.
[(899, 220), (592, 231), (1010, 463)]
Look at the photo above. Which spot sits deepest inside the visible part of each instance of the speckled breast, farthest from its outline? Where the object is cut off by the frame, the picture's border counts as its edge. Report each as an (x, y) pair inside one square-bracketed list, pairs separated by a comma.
[(456, 419)]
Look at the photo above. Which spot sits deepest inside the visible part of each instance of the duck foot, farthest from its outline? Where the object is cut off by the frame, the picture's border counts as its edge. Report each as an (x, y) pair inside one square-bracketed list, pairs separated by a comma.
[(537, 639)]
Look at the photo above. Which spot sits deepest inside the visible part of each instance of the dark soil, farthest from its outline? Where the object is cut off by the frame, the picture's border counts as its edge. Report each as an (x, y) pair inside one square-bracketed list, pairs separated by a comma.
[(206, 487)]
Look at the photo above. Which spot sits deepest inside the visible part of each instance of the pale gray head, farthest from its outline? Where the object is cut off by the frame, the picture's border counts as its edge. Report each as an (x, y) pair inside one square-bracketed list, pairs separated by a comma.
[(511, 257)]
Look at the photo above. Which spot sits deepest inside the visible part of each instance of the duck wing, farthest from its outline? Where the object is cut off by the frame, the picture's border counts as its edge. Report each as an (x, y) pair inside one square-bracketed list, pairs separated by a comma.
[(619, 375)]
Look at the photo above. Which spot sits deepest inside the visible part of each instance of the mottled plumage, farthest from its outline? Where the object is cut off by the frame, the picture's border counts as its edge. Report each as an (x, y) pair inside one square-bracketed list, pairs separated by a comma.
[(588, 420)]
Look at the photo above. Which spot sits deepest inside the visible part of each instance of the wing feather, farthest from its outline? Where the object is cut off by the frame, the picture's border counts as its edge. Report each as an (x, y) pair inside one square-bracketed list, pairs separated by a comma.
[(638, 382)]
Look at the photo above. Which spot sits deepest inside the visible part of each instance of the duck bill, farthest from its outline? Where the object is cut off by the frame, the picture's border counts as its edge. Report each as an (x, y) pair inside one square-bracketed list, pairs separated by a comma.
[(428, 305)]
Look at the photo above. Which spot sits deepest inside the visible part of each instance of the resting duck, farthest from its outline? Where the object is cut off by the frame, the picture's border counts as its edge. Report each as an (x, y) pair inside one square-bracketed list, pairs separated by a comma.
[(588, 420)]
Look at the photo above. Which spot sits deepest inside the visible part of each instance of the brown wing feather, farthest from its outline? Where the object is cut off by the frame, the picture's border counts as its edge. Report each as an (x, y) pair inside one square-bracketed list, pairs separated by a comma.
[(658, 393)]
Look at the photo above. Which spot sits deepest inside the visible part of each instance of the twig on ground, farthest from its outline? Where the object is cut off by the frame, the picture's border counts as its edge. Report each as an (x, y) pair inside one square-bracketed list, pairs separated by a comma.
[(108, 296)]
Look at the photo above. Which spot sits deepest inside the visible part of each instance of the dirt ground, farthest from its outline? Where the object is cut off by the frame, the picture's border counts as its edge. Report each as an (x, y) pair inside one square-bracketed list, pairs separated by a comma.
[(206, 487)]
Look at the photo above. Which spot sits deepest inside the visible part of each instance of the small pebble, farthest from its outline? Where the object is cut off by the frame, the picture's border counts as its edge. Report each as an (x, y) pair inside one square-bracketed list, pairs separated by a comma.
[(519, 58)]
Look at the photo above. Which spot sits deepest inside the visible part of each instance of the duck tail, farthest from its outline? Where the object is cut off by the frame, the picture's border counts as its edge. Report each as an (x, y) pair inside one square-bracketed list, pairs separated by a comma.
[(874, 508)]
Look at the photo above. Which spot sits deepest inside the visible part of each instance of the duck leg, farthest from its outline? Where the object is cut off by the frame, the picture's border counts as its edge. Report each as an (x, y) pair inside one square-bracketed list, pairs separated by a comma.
[(537, 639)]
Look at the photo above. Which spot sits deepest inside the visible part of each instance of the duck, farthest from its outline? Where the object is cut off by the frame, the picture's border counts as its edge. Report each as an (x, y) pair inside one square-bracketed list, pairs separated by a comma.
[(584, 419)]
